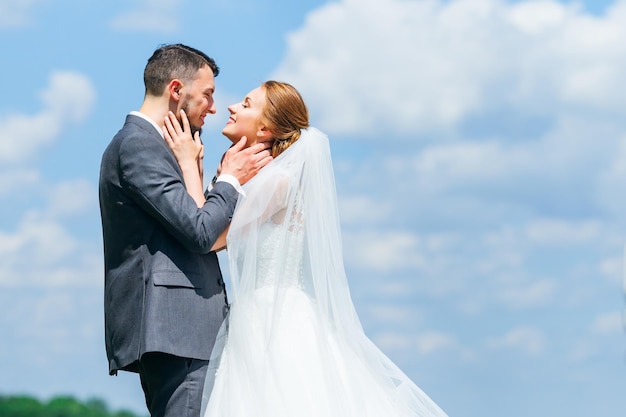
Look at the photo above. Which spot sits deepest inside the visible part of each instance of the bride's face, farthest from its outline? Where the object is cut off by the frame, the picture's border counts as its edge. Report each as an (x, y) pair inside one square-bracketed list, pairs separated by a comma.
[(245, 119)]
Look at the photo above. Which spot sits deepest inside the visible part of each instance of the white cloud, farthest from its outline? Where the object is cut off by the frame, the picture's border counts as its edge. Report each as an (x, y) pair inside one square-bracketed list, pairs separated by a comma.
[(430, 342), (69, 98), (444, 166), (537, 16), (604, 337), (36, 239), (16, 180), (393, 341), (562, 232), (15, 14), (65, 322), (609, 323), (612, 177), (363, 209), (70, 95), (47, 321), (383, 251), (528, 340), (152, 16), (613, 268), (561, 166), (41, 252), (426, 343), (393, 314), (534, 294), (71, 197), (408, 66)]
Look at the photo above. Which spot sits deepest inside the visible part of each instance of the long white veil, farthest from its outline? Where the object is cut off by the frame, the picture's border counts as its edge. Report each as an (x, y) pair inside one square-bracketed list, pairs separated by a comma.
[(289, 283)]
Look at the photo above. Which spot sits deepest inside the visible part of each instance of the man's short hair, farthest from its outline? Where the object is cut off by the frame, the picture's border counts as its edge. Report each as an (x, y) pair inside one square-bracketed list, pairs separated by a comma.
[(174, 61)]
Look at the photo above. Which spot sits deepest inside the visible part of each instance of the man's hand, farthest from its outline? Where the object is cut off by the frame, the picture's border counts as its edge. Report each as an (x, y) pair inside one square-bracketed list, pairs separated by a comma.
[(245, 163)]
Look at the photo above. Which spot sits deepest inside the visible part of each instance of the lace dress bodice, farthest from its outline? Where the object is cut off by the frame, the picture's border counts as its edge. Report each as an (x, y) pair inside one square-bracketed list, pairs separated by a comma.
[(279, 257)]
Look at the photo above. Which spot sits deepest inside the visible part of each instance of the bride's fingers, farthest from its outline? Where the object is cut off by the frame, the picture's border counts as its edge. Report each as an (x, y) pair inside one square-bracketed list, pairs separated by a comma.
[(176, 128), (185, 120), (166, 132), (171, 131), (197, 139)]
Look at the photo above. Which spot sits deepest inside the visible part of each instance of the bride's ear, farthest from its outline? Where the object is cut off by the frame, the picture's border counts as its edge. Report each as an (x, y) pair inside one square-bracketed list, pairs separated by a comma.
[(263, 134)]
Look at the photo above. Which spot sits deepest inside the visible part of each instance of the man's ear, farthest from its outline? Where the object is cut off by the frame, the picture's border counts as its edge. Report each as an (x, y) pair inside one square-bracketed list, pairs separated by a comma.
[(174, 88)]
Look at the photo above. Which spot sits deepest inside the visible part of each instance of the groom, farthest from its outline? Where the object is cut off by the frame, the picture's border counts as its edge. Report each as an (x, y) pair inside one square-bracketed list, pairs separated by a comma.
[(164, 296)]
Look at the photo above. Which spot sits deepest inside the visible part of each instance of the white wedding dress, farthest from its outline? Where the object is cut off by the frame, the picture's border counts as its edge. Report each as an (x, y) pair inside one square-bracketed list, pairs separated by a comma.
[(292, 344)]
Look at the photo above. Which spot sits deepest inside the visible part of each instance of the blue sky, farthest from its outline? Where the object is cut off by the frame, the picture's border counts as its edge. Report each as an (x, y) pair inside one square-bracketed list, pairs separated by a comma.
[(480, 156)]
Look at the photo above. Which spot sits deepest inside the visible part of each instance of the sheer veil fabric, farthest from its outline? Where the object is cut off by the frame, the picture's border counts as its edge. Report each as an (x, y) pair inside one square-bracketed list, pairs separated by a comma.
[(292, 344)]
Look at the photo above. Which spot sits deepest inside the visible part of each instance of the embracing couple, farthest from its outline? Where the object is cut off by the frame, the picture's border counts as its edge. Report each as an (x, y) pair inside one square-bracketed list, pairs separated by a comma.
[(289, 342)]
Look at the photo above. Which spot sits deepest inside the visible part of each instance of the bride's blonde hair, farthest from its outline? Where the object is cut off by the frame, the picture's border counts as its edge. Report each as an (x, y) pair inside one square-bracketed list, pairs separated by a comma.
[(284, 113)]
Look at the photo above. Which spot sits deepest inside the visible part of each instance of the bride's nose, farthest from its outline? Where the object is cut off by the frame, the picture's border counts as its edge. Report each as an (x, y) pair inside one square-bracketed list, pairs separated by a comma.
[(231, 109)]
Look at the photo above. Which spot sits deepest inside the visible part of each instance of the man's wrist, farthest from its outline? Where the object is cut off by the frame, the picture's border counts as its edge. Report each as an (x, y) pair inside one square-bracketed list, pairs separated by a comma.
[(232, 180)]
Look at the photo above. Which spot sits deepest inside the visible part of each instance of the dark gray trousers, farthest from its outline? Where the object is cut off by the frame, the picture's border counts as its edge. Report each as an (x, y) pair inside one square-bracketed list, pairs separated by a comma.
[(172, 385)]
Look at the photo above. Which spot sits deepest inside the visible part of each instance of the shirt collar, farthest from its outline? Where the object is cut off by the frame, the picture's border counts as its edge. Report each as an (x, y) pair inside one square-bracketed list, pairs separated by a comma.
[(146, 118)]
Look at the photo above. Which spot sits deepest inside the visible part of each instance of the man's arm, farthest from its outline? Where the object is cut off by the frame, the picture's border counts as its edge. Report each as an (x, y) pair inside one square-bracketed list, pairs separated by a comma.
[(152, 177)]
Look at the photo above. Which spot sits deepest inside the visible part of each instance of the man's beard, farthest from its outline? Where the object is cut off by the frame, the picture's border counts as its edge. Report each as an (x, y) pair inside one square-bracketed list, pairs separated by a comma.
[(185, 107)]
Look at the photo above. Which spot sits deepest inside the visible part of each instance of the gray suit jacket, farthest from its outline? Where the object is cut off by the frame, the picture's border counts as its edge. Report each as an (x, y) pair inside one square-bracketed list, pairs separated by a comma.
[(164, 291)]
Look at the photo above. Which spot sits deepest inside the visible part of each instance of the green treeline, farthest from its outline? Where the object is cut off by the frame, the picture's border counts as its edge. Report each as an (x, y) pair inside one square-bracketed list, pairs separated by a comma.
[(25, 406)]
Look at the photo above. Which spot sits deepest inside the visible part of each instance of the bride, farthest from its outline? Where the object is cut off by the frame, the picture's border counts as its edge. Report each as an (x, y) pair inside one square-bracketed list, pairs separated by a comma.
[(292, 344)]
